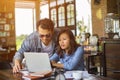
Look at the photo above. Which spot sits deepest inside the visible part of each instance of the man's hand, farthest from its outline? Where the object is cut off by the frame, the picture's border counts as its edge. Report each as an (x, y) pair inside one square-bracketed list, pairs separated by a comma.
[(17, 66)]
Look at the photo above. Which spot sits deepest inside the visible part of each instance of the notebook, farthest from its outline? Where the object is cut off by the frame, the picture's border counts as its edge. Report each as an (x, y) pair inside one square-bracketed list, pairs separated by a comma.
[(37, 62)]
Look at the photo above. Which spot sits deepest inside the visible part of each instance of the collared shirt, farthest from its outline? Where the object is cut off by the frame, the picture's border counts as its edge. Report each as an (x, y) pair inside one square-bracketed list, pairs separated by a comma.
[(74, 61), (47, 49), (32, 43)]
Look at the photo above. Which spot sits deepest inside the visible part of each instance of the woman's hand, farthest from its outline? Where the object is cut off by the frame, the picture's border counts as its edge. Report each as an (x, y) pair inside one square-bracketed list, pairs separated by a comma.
[(57, 65)]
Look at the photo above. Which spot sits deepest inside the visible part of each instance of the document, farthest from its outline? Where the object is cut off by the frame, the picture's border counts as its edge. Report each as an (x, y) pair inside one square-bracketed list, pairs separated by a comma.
[(69, 74), (27, 75)]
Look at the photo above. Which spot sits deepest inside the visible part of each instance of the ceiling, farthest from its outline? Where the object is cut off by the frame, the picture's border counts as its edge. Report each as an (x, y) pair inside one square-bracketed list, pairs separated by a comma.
[(28, 3)]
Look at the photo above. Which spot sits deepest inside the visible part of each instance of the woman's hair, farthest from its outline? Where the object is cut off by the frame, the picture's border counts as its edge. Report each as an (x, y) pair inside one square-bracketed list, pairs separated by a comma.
[(73, 44), (45, 24)]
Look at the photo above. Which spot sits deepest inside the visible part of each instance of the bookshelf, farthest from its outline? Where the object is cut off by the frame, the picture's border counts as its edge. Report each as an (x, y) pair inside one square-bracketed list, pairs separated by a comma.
[(7, 30)]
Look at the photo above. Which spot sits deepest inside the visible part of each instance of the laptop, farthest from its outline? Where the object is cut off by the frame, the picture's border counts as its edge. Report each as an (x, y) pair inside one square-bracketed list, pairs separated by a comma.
[(37, 62)]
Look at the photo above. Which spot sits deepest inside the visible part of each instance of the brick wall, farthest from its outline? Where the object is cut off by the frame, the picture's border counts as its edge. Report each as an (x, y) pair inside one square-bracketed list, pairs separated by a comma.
[(99, 12)]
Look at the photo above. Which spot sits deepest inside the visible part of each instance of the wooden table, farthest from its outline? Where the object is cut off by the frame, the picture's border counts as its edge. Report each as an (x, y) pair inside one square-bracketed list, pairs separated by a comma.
[(8, 75)]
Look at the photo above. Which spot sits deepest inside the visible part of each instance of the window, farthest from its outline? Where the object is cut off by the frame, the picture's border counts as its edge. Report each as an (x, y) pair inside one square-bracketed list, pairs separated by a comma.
[(62, 12), (24, 19), (70, 14), (53, 16), (44, 11), (61, 16)]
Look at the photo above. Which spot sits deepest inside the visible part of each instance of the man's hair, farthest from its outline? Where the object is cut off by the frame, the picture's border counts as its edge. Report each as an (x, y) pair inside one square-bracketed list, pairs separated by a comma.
[(45, 24)]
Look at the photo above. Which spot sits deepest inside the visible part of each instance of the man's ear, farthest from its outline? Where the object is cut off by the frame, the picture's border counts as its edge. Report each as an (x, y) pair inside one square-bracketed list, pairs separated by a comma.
[(52, 31)]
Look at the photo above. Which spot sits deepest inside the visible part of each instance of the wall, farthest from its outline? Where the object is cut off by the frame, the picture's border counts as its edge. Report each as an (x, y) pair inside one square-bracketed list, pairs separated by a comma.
[(7, 7), (99, 12), (7, 29)]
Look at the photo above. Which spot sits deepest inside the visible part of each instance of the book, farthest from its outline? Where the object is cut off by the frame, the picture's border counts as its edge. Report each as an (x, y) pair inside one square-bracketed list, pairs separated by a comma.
[(37, 75)]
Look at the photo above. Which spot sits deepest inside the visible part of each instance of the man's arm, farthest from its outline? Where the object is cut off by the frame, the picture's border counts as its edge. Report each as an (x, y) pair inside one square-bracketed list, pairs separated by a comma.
[(17, 66), (29, 44), (19, 55)]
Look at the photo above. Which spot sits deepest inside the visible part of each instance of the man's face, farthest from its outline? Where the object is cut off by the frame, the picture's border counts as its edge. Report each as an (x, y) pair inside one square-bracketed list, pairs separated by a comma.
[(45, 35)]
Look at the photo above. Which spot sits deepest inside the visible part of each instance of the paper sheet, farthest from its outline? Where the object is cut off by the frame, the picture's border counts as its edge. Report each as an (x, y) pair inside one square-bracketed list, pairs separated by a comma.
[(68, 74)]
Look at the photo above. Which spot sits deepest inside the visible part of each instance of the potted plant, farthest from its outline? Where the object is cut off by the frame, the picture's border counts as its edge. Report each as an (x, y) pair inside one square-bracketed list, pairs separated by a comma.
[(81, 27), (82, 30)]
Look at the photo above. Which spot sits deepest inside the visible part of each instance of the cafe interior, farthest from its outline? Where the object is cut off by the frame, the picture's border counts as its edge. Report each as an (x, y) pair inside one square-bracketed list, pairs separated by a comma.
[(95, 24)]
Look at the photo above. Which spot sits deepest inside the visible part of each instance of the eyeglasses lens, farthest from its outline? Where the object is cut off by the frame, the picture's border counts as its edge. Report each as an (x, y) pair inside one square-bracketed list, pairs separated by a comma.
[(47, 36)]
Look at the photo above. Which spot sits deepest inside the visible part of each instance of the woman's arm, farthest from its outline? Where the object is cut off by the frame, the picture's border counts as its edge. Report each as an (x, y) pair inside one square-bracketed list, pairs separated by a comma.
[(56, 64), (55, 61), (75, 61)]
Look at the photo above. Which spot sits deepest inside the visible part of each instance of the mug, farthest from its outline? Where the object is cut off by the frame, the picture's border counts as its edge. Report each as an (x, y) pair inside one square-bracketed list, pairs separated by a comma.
[(77, 75)]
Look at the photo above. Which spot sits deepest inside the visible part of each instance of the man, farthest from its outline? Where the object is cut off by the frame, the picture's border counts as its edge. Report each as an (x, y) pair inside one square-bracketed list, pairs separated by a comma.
[(42, 40)]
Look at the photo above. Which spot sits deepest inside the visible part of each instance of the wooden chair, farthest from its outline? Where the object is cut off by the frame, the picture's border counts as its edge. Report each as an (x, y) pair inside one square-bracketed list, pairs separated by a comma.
[(5, 65)]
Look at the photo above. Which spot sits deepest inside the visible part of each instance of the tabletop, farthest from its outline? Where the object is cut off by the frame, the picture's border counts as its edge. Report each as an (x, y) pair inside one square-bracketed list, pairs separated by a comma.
[(8, 75)]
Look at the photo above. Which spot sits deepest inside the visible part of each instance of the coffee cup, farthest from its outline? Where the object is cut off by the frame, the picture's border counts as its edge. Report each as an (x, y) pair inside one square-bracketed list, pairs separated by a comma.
[(77, 75)]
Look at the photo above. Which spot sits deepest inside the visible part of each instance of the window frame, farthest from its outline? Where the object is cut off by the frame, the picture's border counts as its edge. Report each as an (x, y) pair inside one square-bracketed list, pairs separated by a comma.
[(65, 4)]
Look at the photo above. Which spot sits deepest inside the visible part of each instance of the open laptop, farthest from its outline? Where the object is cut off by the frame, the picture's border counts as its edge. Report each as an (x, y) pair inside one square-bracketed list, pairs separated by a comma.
[(37, 62)]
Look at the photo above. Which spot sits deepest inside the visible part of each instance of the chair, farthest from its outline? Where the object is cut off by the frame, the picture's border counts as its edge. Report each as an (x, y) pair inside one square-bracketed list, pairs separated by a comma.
[(5, 65), (91, 63)]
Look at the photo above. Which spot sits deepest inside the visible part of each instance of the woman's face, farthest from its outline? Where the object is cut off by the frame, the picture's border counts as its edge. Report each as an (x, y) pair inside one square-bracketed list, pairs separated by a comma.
[(45, 35), (64, 41)]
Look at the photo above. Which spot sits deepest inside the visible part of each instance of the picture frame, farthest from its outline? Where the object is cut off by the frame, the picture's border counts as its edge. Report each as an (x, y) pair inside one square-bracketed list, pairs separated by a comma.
[(3, 40), (2, 34), (10, 15), (2, 20), (1, 27), (7, 27), (8, 34), (2, 15)]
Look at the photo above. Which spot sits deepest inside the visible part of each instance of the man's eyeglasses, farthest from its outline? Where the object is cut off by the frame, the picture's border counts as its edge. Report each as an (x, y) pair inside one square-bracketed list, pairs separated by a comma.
[(47, 35)]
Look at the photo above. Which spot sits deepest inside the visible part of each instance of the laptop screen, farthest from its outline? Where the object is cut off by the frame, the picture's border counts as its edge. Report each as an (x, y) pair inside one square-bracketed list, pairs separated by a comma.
[(37, 62)]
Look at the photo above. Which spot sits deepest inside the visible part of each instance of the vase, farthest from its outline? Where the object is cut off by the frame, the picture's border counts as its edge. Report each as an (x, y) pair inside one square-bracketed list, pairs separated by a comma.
[(110, 35)]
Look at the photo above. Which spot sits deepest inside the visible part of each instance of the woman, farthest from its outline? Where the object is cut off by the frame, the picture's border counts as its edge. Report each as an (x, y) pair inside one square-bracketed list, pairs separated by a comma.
[(69, 55)]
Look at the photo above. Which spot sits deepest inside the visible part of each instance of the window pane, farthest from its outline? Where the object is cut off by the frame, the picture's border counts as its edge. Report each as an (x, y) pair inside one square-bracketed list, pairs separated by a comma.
[(70, 14), (26, 23), (72, 21), (61, 10), (52, 4), (69, 0), (61, 23), (61, 16), (44, 11), (53, 16), (60, 2)]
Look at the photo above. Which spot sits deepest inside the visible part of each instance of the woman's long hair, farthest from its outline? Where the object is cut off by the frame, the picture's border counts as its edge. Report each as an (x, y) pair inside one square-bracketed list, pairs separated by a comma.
[(73, 44)]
